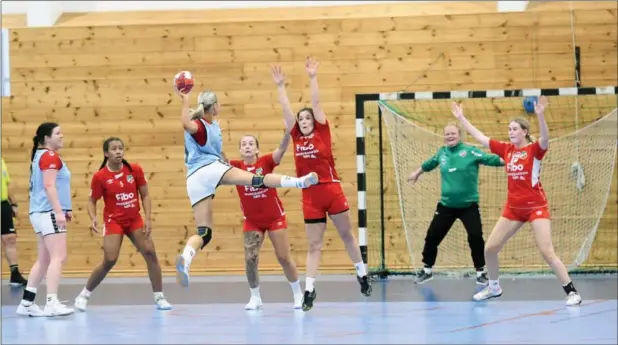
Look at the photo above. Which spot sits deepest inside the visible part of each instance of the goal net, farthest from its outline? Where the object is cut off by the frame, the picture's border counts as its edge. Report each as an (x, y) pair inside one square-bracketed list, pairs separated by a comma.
[(576, 175)]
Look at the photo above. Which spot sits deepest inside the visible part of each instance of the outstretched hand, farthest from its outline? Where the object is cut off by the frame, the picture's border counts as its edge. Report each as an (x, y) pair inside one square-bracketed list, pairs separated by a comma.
[(311, 66), (457, 110), (183, 96), (278, 75), (540, 105), (413, 177)]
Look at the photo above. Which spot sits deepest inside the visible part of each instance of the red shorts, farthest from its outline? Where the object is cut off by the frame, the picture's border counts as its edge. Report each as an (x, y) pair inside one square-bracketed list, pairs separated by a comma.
[(277, 224), (112, 227), (324, 199), (525, 214)]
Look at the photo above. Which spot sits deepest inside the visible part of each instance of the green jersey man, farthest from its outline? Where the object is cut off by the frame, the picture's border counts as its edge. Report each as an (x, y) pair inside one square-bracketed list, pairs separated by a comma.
[(459, 168)]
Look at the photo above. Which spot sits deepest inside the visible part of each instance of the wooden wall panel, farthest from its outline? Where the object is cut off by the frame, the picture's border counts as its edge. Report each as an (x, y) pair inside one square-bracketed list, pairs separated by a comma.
[(115, 79)]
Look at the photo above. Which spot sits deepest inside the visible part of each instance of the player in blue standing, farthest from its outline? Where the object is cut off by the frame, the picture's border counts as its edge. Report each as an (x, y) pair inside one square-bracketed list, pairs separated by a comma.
[(207, 168), (50, 210)]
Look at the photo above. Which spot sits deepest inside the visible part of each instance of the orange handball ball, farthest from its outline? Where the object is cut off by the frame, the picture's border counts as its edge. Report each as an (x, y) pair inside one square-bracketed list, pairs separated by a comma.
[(184, 81)]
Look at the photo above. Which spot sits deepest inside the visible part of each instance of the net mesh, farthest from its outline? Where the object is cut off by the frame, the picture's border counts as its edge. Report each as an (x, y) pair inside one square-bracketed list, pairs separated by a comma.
[(576, 175)]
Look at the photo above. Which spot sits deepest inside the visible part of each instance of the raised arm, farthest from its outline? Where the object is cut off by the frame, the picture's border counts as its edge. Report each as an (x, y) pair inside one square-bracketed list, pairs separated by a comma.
[(539, 109), (311, 66), (283, 146), (457, 111), (185, 114), (284, 101)]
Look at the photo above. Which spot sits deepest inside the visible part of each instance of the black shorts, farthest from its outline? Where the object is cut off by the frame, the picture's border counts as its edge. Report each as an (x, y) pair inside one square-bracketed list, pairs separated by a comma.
[(7, 218)]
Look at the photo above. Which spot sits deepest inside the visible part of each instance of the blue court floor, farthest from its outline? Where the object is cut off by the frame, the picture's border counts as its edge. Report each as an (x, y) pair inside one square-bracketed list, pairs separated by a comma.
[(398, 312)]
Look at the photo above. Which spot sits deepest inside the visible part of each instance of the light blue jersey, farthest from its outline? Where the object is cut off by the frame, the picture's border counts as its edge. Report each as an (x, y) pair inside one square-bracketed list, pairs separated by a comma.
[(38, 198), (196, 155)]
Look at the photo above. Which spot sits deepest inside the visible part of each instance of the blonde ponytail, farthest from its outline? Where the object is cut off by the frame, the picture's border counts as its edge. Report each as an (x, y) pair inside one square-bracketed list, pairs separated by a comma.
[(197, 112)]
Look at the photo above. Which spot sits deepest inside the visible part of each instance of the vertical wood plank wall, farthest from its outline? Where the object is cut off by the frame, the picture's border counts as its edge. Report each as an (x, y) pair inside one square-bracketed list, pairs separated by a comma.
[(99, 81)]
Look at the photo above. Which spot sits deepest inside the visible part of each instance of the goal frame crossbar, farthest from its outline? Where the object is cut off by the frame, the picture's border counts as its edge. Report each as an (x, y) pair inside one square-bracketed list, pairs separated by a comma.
[(382, 270)]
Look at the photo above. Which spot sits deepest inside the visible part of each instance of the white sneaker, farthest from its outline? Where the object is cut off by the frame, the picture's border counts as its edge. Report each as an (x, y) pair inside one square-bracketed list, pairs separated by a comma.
[(162, 303), (308, 180), (573, 299), (487, 293), (298, 301), (81, 302), (32, 310), (254, 303), (57, 309), (182, 271)]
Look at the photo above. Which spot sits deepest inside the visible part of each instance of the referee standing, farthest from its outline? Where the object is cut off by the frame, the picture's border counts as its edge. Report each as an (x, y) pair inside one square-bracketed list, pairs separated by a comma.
[(459, 168), (9, 237)]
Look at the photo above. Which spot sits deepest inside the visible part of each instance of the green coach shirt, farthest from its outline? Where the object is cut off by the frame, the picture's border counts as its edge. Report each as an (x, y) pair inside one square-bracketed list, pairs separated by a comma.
[(459, 171)]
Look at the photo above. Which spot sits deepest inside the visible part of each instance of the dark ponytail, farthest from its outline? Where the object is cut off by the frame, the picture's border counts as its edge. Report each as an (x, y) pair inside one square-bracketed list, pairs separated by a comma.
[(35, 140), (106, 148), (45, 129)]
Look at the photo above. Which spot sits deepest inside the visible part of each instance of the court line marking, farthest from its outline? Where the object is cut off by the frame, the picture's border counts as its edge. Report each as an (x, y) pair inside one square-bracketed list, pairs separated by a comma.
[(581, 316), (524, 316)]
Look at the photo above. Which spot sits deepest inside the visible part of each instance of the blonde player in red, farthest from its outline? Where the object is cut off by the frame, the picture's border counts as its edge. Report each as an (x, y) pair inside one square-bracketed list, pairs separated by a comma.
[(313, 152), (526, 200), (263, 211), (119, 183)]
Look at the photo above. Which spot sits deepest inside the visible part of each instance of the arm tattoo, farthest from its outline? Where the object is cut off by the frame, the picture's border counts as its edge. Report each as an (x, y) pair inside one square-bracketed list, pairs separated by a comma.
[(253, 242)]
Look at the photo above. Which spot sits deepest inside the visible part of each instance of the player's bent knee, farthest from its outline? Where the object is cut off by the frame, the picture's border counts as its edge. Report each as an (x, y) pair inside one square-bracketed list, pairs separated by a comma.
[(206, 234), (110, 262), (9, 240)]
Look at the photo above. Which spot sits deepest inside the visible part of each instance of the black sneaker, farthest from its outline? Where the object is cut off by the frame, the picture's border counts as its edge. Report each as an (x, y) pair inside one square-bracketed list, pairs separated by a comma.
[(308, 299), (422, 277), (18, 280), (365, 286), (482, 279)]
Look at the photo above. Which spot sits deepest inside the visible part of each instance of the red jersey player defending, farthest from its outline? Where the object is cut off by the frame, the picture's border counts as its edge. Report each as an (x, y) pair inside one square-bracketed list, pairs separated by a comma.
[(526, 200), (119, 184), (313, 152), (263, 211)]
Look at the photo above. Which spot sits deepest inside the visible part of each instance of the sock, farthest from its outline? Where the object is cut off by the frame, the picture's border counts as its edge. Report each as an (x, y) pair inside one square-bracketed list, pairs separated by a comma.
[(188, 255), (494, 284), (427, 270), (479, 273), (360, 269), (86, 293), (255, 292), (52, 298), (29, 295), (296, 287), (568, 288), (158, 295), (290, 182), (14, 269), (309, 282)]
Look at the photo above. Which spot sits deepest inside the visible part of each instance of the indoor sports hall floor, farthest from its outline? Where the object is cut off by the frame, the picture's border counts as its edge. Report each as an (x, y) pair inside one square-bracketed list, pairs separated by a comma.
[(211, 310)]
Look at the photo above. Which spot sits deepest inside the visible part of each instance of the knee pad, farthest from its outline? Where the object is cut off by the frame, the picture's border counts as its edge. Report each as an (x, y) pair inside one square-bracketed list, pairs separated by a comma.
[(257, 181), (205, 233)]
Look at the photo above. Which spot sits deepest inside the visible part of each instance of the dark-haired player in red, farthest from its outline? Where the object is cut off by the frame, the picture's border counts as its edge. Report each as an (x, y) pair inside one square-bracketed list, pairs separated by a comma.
[(263, 211), (119, 183), (313, 152)]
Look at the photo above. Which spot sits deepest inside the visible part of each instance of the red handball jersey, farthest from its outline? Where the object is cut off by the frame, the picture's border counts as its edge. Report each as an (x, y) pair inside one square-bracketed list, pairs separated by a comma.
[(523, 169), (259, 204), (314, 153), (119, 191)]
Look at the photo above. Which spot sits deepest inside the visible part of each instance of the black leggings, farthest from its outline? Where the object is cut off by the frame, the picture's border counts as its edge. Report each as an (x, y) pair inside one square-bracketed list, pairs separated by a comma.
[(443, 219)]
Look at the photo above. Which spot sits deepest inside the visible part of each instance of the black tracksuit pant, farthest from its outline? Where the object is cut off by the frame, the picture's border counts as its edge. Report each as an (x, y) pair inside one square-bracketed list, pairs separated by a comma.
[(443, 220)]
